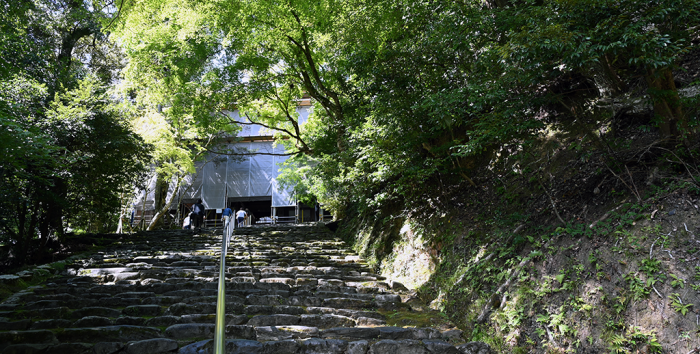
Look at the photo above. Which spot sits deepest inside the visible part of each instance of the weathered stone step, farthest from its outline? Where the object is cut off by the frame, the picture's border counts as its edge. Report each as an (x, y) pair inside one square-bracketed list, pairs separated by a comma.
[(288, 289), (336, 346)]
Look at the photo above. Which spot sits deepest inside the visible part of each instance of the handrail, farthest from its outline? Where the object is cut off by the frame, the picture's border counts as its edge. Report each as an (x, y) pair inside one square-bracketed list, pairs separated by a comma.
[(220, 329)]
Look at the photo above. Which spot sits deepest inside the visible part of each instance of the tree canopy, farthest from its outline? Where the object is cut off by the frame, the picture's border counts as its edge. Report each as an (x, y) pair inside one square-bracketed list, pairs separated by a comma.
[(67, 150), (407, 94)]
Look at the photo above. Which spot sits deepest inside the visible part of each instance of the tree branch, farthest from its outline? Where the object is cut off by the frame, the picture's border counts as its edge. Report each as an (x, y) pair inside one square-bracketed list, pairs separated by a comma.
[(303, 149), (117, 16), (251, 153)]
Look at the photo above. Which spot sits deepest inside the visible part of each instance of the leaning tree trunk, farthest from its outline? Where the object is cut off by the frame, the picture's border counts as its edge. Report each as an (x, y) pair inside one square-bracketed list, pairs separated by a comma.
[(166, 206), (667, 104)]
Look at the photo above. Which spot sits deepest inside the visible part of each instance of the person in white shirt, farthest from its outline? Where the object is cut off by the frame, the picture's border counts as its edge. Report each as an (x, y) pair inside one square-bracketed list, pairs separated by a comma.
[(186, 222), (240, 216)]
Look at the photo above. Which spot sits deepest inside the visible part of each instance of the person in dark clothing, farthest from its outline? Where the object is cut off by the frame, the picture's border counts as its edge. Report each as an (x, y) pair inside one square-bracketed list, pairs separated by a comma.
[(197, 218)]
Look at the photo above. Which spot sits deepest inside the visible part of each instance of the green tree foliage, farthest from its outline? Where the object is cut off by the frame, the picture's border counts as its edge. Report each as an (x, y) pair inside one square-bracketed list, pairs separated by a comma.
[(408, 94), (439, 88), (201, 57), (190, 61), (67, 151)]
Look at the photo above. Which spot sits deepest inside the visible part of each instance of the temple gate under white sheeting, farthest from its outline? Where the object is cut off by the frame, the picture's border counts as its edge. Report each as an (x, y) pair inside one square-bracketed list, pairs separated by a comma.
[(234, 181)]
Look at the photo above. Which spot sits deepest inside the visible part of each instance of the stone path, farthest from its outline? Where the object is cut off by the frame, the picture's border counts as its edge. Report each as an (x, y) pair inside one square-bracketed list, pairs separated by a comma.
[(290, 289)]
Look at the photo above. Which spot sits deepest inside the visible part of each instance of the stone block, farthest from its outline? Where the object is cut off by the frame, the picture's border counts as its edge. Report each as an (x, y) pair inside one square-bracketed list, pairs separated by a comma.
[(274, 320), (190, 330), (323, 346), (351, 333), (162, 300), (41, 336), (142, 310), (93, 321), (230, 346), (182, 293), (357, 347), (151, 346), (180, 309), (135, 295), (454, 335), (269, 300), (20, 325), (387, 298), (346, 303), (96, 311), (25, 348), (162, 321), (304, 301), (51, 324), (289, 310), (369, 322), (108, 334), (42, 304), (107, 347), (288, 346), (9, 279), (267, 333), (130, 321), (326, 321), (258, 310), (406, 346), (395, 333), (241, 332), (426, 333), (55, 312), (440, 347), (474, 348), (69, 348)]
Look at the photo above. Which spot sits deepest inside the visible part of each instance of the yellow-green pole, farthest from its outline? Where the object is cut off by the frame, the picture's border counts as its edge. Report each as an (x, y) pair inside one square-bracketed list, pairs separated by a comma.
[(220, 328)]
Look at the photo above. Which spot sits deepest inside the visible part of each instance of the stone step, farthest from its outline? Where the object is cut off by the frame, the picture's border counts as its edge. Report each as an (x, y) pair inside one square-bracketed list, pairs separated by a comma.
[(288, 289)]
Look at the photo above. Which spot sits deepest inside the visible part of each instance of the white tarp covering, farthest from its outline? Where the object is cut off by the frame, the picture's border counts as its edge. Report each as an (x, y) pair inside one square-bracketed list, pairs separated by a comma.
[(280, 196), (238, 176), (214, 183), (148, 193), (192, 186), (250, 176), (262, 169), (235, 177)]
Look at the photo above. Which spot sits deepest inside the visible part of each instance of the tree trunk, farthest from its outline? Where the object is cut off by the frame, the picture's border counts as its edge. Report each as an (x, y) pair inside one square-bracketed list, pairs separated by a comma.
[(165, 207), (667, 104)]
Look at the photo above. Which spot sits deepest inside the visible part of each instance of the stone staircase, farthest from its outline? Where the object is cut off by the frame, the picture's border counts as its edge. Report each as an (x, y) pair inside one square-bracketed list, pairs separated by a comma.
[(289, 289)]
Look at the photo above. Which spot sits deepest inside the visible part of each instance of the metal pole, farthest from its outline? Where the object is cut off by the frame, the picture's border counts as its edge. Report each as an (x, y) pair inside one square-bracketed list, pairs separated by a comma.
[(220, 329)]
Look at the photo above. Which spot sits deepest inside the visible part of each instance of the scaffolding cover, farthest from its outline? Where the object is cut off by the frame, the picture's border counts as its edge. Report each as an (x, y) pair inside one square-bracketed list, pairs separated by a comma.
[(219, 177), (214, 183), (262, 169), (148, 195), (192, 186), (236, 177), (280, 196)]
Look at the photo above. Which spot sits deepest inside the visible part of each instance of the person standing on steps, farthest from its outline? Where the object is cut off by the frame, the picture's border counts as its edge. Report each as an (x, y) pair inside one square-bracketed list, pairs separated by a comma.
[(240, 216), (226, 214), (186, 222), (197, 217)]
